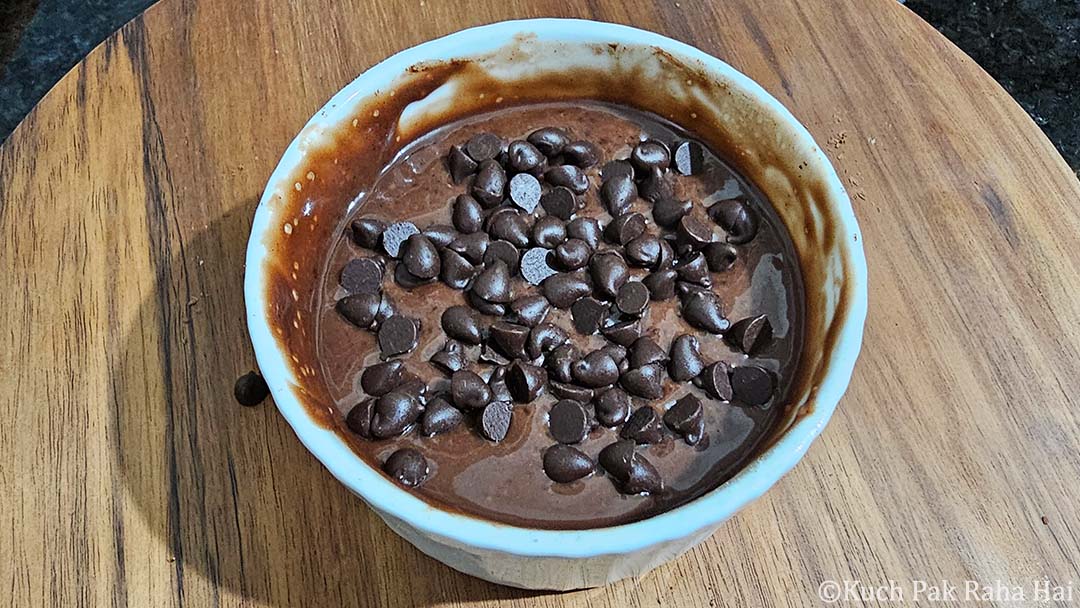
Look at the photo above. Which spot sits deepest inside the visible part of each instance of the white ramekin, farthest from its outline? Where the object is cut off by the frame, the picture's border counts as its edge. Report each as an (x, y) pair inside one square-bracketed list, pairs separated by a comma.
[(819, 218)]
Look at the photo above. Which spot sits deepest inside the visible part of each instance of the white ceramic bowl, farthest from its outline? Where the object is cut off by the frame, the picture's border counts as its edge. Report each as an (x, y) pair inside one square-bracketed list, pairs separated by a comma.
[(759, 136)]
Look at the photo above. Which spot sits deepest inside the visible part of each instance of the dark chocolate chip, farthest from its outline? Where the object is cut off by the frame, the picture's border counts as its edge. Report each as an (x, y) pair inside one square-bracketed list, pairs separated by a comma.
[(407, 466), (689, 158), (694, 269), (559, 202), (716, 381), (625, 228), (643, 478), (612, 407), (564, 464), (586, 314), (550, 141), (397, 336), (617, 459), (484, 307), (595, 370), (456, 271), (472, 247), (381, 378), (618, 194), (359, 309), (469, 390), (468, 215), (645, 351), (451, 358), (568, 422), (666, 258), (543, 338), (685, 359), (394, 413), (565, 288), (693, 233), (656, 187), (548, 232), (650, 154), (413, 385), (535, 267), (525, 191), (573, 254), (459, 164), (751, 385), (509, 338), (359, 418), (643, 251), (704, 310), (644, 381), (461, 323), (505, 251), (609, 272), (406, 279), (668, 211), (686, 419), (616, 168), (643, 426), (395, 236), (440, 417), (367, 232), (530, 310), (562, 390), (509, 225), (421, 257), (490, 354), (525, 381), (581, 153), (387, 309), (736, 218), (632, 298), (497, 383), (720, 256), (362, 275), (489, 185), (750, 335), (521, 156), (623, 332), (440, 234), (559, 361), (250, 389), (493, 283), (585, 228), (483, 146), (495, 420), (661, 284), (568, 176), (615, 351)]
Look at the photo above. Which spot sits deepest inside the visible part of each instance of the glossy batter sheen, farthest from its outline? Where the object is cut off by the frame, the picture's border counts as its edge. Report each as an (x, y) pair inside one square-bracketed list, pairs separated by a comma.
[(506, 482)]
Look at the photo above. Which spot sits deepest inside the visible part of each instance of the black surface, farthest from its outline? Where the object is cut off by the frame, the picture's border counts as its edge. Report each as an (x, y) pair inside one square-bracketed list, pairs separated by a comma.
[(1032, 47)]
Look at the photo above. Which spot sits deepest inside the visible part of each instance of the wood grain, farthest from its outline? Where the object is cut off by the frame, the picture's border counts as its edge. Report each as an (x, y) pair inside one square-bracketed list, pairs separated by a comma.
[(131, 478)]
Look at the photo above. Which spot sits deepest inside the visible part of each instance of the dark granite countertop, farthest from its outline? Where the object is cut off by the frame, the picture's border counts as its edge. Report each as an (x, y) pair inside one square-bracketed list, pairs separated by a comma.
[(1032, 47)]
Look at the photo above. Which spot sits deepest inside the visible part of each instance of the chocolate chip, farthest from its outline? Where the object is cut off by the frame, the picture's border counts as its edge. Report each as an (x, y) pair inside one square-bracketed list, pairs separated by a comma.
[(397, 336), (564, 464), (483, 146), (650, 154), (493, 283), (656, 187), (548, 232), (632, 298), (624, 228), (469, 390), (736, 218), (549, 140), (568, 176), (615, 351), (581, 153), (573, 254), (666, 259), (623, 332), (472, 247), (489, 184), (616, 168), (609, 272), (495, 420), (497, 384), (643, 478), (467, 215), (595, 370), (505, 251), (530, 310), (689, 158), (644, 381), (525, 191), (451, 358), (362, 275), (413, 385), (668, 211), (565, 288), (643, 426), (490, 354), (574, 392), (586, 315), (704, 310), (535, 267), (543, 338), (459, 164), (484, 307), (686, 419), (394, 413), (456, 271), (367, 232), (421, 257), (618, 194), (750, 335), (585, 228), (612, 407), (559, 202), (716, 381), (509, 338), (509, 225), (358, 419), (522, 156), (250, 389), (559, 361), (381, 378), (395, 236), (525, 381), (440, 234), (720, 256), (359, 309), (694, 269), (645, 351), (461, 323), (643, 251), (406, 279), (387, 309), (407, 466), (751, 385), (568, 422), (661, 284), (685, 359), (617, 459), (440, 417), (693, 233)]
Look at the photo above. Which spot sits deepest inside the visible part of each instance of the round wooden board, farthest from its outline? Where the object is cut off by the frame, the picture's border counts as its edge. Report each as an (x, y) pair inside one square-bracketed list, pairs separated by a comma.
[(131, 477)]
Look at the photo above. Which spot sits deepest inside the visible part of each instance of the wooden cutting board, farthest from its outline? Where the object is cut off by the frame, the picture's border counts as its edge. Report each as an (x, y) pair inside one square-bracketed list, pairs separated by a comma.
[(131, 477)]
